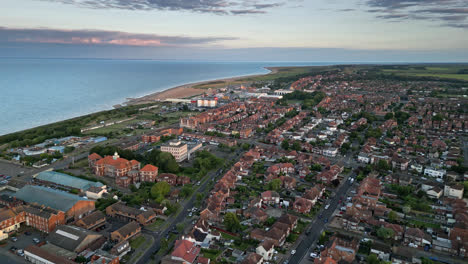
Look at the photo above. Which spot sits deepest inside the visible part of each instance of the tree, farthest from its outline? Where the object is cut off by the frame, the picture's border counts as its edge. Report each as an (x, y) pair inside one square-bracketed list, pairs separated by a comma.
[(274, 184), (345, 148), (186, 191), (382, 165), (296, 146), (160, 190), (406, 209), (385, 233), (393, 216), (372, 259), (231, 222), (388, 116), (285, 144)]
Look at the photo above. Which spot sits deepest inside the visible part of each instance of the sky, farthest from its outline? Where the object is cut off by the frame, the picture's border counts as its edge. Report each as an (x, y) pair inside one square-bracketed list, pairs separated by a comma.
[(237, 30)]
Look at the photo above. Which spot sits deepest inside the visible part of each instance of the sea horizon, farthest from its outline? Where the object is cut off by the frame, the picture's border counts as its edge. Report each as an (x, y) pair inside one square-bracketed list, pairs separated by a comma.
[(51, 83), (55, 83)]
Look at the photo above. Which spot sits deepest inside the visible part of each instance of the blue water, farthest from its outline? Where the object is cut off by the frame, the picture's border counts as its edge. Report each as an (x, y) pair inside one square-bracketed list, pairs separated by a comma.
[(40, 91)]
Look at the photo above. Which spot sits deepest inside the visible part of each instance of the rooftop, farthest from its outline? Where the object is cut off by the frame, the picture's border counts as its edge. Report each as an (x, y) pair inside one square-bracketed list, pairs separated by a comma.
[(52, 198), (67, 180)]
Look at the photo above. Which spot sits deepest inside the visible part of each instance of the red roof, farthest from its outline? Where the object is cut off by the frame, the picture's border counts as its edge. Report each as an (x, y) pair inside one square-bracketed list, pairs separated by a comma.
[(186, 250), (94, 156), (118, 163), (149, 168)]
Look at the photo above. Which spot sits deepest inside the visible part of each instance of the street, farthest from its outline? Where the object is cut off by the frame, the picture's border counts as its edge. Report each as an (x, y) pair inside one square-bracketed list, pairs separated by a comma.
[(318, 226)]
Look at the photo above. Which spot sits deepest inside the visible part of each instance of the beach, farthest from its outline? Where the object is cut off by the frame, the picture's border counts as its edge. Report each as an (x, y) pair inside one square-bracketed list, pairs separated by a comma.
[(189, 90)]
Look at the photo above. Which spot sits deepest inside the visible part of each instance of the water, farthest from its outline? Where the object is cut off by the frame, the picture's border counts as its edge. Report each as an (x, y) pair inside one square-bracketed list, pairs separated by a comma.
[(35, 92)]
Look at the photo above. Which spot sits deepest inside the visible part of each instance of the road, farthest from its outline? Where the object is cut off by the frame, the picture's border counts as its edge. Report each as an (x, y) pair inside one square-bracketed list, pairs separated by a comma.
[(318, 226), (158, 236)]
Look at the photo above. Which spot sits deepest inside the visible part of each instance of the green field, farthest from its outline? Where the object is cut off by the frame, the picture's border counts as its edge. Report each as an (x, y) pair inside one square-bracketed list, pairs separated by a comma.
[(455, 71), (277, 72)]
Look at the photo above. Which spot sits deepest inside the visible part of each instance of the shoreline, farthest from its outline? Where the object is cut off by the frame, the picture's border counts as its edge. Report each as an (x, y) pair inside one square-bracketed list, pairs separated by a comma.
[(187, 90)]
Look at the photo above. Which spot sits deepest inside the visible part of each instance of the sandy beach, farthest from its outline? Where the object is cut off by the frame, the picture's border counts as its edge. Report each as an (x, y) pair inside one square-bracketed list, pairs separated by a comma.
[(187, 90)]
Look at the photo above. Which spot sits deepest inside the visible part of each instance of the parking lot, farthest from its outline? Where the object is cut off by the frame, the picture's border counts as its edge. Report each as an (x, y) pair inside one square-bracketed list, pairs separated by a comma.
[(23, 241)]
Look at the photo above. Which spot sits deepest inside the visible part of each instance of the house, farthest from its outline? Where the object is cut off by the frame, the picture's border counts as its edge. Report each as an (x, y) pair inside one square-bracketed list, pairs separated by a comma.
[(433, 172), (417, 237), (302, 205), (10, 220), (126, 232), (92, 221), (270, 197), (454, 190), (382, 251), (253, 258), (266, 250), (128, 214), (341, 248), (364, 158), (43, 218), (148, 173), (185, 251), (435, 192)]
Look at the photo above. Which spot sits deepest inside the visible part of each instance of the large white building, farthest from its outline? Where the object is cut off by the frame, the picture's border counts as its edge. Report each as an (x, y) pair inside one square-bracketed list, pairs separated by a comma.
[(207, 102), (177, 149), (438, 173)]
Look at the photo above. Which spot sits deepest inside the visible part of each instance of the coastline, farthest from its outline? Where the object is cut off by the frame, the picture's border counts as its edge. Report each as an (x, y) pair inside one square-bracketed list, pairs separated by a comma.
[(188, 90)]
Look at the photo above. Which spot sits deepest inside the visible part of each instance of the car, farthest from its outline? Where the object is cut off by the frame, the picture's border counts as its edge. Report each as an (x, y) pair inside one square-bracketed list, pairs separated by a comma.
[(293, 252), (313, 255), (325, 220), (320, 216), (365, 239), (27, 233), (13, 249), (190, 214), (36, 240), (326, 206), (14, 239)]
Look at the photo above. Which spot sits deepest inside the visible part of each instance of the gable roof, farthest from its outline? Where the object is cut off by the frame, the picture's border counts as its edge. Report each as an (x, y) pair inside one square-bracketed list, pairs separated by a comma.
[(67, 180), (55, 199), (72, 238), (149, 168)]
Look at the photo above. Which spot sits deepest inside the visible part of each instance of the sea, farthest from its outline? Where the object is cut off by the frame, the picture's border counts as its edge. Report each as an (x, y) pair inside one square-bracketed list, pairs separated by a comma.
[(35, 92)]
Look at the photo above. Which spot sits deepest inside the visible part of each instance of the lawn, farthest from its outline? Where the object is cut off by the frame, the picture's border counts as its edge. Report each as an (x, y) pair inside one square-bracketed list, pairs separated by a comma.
[(137, 242), (156, 225), (443, 72), (211, 253)]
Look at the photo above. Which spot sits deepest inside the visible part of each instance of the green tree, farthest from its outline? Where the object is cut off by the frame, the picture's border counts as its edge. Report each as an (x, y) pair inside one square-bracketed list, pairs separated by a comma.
[(274, 184), (285, 144), (296, 146), (372, 259), (231, 222), (382, 165), (388, 116), (186, 191), (160, 190), (393, 216), (385, 233)]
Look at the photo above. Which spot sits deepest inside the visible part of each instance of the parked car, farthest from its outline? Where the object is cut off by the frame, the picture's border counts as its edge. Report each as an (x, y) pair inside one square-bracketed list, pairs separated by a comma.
[(27, 233), (326, 206), (14, 239), (293, 252), (313, 255), (36, 240)]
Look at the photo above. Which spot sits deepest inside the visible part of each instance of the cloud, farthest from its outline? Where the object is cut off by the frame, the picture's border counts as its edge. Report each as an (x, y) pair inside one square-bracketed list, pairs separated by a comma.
[(438, 11), (220, 7), (99, 37)]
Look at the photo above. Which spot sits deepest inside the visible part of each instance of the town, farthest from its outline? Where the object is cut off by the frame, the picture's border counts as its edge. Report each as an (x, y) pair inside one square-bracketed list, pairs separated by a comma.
[(340, 165)]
